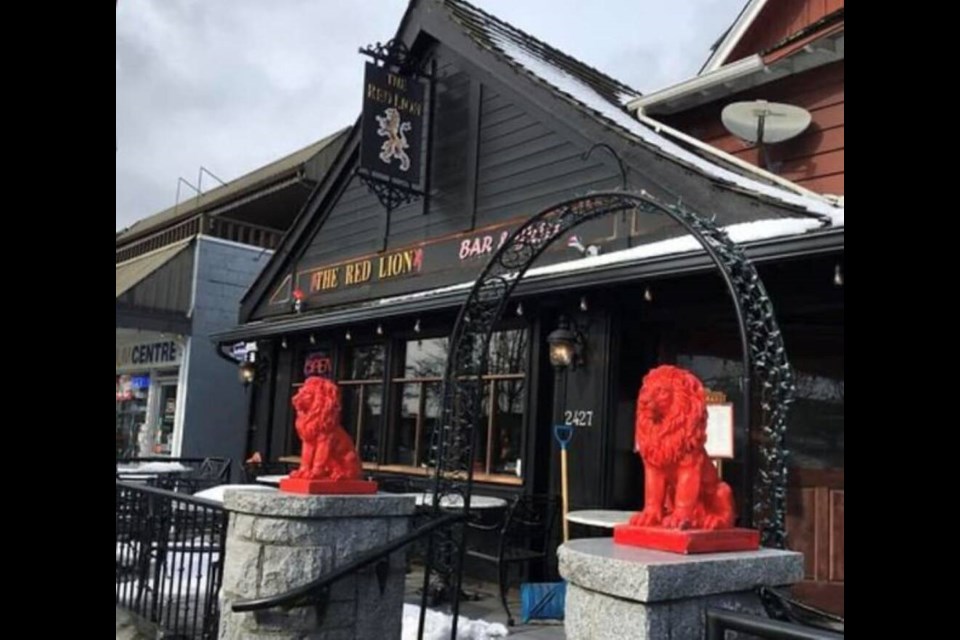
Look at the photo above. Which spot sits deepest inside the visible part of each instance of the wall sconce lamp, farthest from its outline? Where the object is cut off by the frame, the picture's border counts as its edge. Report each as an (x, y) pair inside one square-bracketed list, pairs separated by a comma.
[(248, 371), (566, 346), (248, 368)]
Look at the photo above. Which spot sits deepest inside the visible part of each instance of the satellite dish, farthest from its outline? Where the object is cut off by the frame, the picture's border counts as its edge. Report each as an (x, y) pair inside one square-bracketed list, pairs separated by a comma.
[(763, 122)]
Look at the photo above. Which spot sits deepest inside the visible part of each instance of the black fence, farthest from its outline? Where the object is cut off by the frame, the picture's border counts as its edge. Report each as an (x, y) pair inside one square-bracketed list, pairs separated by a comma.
[(720, 621), (170, 549)]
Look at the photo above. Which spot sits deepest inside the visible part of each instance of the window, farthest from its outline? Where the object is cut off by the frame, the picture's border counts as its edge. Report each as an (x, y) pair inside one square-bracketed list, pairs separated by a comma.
[(418, 404), (418, 397), (362, 397)]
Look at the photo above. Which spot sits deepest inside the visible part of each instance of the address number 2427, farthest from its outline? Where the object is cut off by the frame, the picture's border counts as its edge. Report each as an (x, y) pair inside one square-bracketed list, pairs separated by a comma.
[(578, 418)]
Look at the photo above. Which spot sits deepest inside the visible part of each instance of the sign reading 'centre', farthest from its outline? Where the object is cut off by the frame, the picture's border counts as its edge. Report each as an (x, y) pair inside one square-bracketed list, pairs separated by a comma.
[(392, 124)]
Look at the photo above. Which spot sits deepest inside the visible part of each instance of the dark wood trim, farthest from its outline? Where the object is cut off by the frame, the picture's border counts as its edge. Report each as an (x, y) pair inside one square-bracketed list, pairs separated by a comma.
[(473, 148), (431, 126)]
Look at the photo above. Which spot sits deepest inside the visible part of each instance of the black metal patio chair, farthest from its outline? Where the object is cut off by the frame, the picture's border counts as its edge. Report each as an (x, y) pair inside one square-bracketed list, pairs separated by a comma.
[(524, 538)]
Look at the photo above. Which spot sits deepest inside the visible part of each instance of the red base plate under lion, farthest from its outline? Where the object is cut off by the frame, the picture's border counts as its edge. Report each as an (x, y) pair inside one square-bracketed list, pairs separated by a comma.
[(687, 540), (328, 487)]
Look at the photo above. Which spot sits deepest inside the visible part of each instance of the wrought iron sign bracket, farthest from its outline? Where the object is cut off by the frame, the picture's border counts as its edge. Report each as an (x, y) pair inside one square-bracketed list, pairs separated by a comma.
[(395, 54), (391, 193)]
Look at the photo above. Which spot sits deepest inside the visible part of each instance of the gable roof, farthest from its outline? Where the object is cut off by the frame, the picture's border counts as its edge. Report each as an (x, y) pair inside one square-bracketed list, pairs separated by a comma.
[(605, 99), (587, 91)]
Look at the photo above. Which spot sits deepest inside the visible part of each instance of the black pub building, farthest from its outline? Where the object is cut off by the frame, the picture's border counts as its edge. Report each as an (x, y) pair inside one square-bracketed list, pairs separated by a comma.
[(469, 129)]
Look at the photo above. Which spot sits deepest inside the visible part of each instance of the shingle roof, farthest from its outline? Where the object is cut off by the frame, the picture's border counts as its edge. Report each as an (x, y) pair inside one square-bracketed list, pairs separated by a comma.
[(489, 31), (605, 99)]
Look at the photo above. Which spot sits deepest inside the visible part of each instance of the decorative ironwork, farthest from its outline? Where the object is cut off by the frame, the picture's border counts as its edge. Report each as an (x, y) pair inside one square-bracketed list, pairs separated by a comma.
[(396, 54), (763, 354), (391, 194)]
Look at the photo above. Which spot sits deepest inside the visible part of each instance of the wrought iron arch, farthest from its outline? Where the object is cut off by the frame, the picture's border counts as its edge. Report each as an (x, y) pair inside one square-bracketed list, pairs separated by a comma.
[(763, 355)]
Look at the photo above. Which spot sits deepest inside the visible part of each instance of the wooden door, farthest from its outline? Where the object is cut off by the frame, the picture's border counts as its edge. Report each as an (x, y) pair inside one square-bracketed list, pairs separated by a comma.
[(815, 528)]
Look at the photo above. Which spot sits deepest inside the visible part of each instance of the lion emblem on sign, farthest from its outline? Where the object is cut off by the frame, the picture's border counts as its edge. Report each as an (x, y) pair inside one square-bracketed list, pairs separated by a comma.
[(328, 451), (682, 489), (394, 131)]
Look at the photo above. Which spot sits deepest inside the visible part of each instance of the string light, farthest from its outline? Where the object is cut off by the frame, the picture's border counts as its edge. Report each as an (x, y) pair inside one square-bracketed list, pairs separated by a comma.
[(379, 329), (838, 275), (647, 295), (416, 326), (283, 342), (313, 339), (519, 308), (348, 336), (583, 303)]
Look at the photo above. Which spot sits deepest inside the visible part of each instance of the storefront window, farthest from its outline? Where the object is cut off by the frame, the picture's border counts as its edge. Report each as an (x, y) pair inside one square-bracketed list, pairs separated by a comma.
[(362, 397), (132, 392), (419, 402)]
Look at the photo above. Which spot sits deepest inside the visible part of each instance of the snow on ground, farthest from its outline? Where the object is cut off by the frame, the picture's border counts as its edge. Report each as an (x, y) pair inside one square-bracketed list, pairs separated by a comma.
[(438, 626), (156, 467)]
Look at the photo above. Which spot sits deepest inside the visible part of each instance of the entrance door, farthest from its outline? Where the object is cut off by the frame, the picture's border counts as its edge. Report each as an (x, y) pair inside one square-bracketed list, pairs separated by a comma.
[(815, 528), (166, 413)]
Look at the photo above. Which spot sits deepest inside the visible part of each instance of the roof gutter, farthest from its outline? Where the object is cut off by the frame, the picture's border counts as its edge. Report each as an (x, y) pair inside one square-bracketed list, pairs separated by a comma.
[(793, 187), (727, 73), (730, 41)]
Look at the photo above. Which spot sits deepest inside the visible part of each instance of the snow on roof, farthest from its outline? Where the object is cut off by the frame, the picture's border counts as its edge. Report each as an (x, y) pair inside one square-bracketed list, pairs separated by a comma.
[(587, 96), (607, 97)]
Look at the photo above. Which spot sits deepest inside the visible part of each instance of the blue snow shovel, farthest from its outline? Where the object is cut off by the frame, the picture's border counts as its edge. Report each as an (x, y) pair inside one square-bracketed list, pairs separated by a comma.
[(546, 600)]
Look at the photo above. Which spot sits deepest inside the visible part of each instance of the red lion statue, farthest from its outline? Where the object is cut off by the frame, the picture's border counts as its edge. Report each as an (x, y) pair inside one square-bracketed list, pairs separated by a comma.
[(328, 451), (682, 489)]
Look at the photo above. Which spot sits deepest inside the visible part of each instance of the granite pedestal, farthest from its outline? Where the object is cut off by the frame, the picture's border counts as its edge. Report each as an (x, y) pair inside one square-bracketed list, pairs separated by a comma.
[(617, 591), (278, 541)]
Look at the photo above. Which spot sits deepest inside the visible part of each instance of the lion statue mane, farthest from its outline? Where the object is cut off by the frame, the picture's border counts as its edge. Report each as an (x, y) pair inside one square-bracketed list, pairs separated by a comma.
[(682, 489), (328, 452)]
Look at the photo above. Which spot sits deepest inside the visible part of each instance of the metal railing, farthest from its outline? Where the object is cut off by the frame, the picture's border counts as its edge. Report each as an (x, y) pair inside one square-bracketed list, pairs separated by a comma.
[(235, 230), (720, 621), (315, 591), (170, 550)]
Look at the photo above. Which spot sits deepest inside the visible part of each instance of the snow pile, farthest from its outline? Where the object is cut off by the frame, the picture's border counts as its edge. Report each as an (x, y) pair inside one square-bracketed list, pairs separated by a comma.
[(159, 467), (437, 626)]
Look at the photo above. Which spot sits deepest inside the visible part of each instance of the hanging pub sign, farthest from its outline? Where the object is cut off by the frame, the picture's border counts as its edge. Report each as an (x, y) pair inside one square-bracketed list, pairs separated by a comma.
[(392, 124)]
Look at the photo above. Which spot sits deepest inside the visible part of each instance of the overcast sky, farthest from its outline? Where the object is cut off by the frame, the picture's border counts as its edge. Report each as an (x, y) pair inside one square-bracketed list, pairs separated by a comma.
[(231, 85)]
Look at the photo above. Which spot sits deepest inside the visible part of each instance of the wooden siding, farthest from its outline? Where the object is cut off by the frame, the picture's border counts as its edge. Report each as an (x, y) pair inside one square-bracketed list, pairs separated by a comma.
[(524, 166), (779, 20), (493, 160), (813, 159)]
